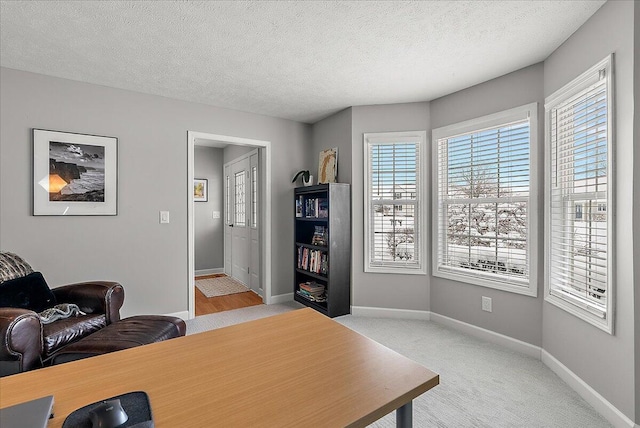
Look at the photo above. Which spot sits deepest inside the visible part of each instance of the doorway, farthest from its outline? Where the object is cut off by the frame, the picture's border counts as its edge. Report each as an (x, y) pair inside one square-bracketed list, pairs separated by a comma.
[(247, 214), (242, 225)]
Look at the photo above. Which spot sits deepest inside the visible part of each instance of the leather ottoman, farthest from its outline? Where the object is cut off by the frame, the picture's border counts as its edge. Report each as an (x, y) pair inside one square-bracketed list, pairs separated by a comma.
[(123, 334)]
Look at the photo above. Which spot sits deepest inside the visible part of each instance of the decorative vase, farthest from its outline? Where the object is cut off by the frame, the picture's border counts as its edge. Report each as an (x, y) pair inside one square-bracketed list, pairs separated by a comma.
[(308, 182)]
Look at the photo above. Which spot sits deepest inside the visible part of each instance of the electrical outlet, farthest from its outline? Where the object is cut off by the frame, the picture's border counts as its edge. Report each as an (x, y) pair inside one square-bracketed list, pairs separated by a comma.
[(486, 304)]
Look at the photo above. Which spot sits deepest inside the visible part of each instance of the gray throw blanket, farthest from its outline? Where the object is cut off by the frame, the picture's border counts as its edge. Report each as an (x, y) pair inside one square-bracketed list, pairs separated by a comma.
[(58, 312)]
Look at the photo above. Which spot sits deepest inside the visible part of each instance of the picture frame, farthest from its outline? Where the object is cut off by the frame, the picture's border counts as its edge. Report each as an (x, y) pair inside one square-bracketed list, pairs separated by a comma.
[(328, 166), (200, 190), (74, 174)]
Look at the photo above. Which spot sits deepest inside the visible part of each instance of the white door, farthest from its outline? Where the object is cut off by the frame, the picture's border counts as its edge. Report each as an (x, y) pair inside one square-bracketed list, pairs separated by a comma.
[(254, 229), (242, 214), (239, 226)]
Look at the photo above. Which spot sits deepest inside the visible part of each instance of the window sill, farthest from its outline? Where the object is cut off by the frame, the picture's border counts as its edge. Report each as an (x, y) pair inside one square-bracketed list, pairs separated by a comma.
[(525, 289), (395, 270), (584, 314)]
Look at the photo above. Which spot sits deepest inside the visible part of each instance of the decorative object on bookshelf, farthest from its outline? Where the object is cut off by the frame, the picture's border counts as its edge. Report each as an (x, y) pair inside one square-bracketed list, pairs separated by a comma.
[(323, 248), (328, 166), (320, 236), (307, 178)]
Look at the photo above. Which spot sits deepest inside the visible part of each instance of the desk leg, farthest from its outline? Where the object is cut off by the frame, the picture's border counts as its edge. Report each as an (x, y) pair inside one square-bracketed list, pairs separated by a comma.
[(404, 416)]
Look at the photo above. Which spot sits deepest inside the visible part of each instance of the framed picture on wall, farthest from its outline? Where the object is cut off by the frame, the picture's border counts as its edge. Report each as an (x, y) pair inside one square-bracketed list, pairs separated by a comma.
[(74, 174), (200, 190), (328, 166)]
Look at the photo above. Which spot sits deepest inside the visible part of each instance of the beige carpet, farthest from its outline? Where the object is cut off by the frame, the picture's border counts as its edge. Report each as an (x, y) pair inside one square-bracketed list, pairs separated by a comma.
[(482, 385), (220, 286)]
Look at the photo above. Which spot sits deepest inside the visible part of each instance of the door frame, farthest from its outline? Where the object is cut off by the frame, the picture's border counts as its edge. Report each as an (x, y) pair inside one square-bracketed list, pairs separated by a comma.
[(265, 214)]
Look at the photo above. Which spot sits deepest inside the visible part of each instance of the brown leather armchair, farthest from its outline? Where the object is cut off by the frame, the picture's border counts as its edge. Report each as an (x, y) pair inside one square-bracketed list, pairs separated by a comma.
[(26, 343)]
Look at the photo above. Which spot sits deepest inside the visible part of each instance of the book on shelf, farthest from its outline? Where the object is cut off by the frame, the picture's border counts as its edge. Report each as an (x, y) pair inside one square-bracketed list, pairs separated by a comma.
[(313, 291), (314, 261), (312, 287), (318, 299), (299, 207), (323, 207), (319, 236), (313, 207)]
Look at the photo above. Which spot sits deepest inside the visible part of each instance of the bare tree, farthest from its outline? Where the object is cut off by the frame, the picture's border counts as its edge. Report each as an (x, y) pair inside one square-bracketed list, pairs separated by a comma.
[(395, 241), (485, 224)]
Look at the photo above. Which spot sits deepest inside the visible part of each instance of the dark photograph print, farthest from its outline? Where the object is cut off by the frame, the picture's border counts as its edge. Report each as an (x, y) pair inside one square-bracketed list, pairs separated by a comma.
[(76, 172)]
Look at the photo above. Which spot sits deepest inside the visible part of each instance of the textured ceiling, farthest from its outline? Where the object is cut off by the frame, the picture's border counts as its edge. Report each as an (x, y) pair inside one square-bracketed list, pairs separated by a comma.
[(294, 60)]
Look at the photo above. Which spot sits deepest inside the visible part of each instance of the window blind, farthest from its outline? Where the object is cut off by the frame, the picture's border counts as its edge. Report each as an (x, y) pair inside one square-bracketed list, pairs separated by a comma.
[(579, 231), (393, 186), (483, 203)]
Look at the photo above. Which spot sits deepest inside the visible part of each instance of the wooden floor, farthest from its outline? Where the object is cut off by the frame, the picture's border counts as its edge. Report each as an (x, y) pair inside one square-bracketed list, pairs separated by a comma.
[(208, 305)]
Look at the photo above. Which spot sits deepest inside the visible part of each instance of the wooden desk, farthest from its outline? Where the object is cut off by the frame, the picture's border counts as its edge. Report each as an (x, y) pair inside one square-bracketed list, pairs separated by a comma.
[(295, 369)]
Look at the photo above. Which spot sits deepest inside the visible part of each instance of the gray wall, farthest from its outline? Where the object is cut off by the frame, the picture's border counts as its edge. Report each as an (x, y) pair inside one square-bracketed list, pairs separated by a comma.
[(513, 314), (578, 345), (148, 258), (382, 290), (334, 131), (209, 232), (233, 152), (636, 202)]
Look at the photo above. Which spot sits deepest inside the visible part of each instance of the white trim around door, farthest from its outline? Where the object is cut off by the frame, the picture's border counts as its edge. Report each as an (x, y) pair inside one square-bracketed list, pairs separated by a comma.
[(265, 212)]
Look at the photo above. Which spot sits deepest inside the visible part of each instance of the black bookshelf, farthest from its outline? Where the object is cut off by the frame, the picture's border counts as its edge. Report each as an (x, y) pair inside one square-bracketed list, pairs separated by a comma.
[(322, 248)]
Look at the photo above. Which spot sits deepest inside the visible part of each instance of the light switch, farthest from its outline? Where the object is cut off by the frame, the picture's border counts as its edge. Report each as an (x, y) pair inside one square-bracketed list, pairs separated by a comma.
[(216, 214), (164, 216)]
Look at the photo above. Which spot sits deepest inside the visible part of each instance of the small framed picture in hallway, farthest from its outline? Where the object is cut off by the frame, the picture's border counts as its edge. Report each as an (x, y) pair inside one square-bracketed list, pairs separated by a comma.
[(200, 190)]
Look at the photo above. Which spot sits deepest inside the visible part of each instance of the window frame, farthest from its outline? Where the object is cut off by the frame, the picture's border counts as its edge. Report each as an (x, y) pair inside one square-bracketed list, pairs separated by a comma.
[(254, 196), (530, 286), (563, 95), (421, 205), (240, 192), (227, 211)]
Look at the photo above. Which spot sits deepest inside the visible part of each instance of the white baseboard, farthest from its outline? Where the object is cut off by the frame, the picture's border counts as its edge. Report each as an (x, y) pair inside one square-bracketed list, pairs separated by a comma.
[(203, 272), (183, 314), (366, 311), (281, 298), (488, 335), (590, 395)]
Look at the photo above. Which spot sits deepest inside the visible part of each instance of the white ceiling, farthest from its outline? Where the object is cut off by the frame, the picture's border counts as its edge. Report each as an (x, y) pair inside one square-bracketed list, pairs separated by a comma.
[(295, 60)]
